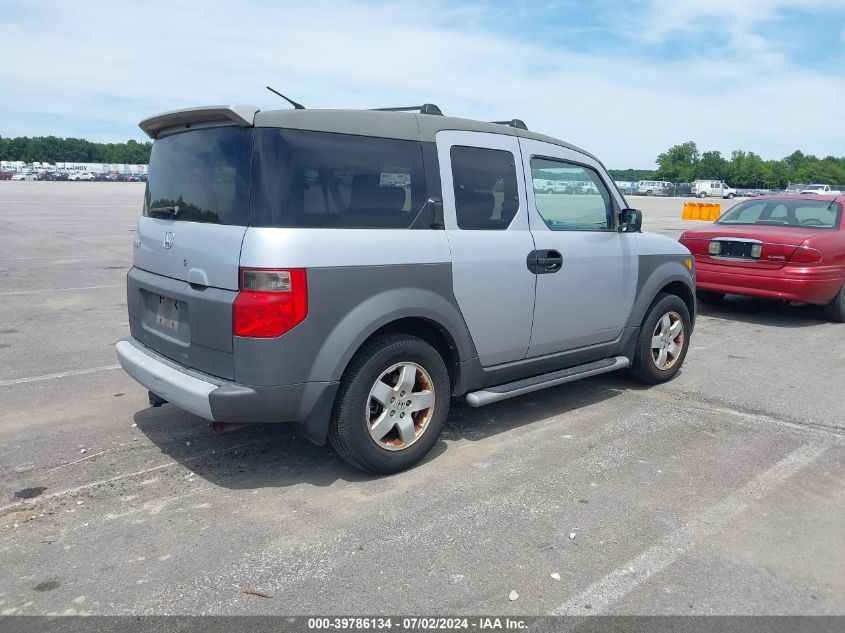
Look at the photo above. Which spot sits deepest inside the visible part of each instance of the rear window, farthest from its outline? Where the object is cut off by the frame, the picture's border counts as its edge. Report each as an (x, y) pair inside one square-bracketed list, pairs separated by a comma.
[(819, 214), (319, 179), (201, 176)]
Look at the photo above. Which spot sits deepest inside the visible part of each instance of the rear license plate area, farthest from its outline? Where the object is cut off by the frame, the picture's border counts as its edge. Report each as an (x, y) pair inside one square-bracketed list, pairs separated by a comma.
[(740, 250), (166, 316)]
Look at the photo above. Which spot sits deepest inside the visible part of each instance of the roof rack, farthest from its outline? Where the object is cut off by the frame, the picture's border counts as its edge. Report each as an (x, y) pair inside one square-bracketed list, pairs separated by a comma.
[(517, 123), (426, 108)]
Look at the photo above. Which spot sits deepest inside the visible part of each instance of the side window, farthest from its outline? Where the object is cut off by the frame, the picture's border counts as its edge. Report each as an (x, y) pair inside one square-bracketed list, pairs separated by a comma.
[(486, 194), (586, 204), (317, 179)]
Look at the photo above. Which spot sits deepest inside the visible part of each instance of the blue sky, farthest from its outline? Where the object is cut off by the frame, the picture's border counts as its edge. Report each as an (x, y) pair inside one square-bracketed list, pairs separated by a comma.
[(623, 79)]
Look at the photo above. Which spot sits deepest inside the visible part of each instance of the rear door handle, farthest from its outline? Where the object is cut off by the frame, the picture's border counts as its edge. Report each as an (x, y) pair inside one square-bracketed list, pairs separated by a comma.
[(544, 261)]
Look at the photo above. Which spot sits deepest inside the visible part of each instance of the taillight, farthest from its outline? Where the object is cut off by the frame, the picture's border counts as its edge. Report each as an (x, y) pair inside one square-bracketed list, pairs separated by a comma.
[(270, 302), (805, 255)]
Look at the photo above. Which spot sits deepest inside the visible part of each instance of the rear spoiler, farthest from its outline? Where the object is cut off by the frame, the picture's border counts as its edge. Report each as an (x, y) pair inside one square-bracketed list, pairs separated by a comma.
[(242, 115)]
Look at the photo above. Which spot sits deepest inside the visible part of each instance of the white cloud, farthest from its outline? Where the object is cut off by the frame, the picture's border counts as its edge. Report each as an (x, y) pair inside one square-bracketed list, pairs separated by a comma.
[(92, 72)]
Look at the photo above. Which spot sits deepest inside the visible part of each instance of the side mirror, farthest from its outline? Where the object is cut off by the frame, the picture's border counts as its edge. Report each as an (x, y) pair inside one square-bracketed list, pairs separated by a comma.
[(630, 220)]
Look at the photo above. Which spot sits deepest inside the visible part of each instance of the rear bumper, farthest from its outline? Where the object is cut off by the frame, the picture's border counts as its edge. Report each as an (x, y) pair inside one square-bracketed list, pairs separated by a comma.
[(223, 401), (808, 284)]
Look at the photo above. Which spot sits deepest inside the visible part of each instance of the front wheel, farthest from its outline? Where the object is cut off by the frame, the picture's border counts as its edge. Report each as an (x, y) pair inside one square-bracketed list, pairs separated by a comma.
[(730, 196), (391, 404), (703, 194), (663, 341), (835, 310)]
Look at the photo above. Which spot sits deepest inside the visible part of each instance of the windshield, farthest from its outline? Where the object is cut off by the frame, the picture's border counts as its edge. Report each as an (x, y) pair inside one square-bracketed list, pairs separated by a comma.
[(814, 188), (201, 176), (801, 213)]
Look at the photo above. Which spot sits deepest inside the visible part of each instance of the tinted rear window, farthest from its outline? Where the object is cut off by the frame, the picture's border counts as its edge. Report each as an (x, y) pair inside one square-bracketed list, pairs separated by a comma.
[(204, 172), (319, 179), (818, 214)]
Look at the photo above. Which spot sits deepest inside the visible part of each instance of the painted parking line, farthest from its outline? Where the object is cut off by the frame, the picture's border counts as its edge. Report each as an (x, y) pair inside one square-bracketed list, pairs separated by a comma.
[(62, 374), (31, 292), (630, 575)]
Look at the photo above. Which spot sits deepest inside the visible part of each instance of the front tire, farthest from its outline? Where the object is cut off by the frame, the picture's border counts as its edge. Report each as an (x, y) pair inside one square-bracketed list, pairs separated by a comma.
[(391, 405), (663, 341), (703, 194), (730, 196), (835, 310)]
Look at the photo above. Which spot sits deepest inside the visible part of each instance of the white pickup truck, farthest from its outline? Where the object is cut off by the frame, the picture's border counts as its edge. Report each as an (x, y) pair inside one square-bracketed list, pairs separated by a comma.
[(821, 190)]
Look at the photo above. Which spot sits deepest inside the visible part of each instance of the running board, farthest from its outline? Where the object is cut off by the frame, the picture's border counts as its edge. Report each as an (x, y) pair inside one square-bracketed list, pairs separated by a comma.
[(527, 385)]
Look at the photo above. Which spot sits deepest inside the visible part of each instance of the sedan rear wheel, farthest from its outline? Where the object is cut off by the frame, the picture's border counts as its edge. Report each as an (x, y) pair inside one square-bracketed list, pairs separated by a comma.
[(708, 296), (835, 310)]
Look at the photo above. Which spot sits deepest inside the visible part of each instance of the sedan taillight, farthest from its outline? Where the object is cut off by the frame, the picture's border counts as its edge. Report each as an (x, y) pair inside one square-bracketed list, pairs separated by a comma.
[(805, 255)]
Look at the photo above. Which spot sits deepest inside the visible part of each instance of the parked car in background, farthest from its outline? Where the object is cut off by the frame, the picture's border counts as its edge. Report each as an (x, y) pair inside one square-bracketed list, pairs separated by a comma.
[(653, 187), (5, 175), (815, 190), (60, 175), (24, 175), (712, 189), (81, 176), (680, 190), (781, 247), (626, 187)]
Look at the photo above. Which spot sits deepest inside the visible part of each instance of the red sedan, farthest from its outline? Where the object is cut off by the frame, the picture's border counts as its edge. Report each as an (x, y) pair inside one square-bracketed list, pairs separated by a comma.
[(781, 247)]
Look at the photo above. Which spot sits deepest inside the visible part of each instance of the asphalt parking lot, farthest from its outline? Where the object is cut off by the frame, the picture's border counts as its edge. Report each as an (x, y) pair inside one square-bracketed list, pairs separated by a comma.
[(722, 492)]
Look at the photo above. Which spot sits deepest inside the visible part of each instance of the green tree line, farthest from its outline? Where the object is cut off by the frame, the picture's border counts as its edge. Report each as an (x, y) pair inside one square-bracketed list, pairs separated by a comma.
[(51, 149), (684, 163)]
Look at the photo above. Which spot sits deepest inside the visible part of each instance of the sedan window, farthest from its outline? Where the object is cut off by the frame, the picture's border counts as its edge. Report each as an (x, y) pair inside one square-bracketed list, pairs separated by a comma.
[(809, 213)]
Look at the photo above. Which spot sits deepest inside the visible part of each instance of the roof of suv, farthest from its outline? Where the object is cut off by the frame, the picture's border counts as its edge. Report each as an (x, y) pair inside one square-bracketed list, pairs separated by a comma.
[(380, 123)]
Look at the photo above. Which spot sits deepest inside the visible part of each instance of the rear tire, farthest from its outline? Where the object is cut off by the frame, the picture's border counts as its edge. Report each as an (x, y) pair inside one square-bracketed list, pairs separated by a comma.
[(707, 296), (373, 426), (835, 310), (703, 194), (663, 341)]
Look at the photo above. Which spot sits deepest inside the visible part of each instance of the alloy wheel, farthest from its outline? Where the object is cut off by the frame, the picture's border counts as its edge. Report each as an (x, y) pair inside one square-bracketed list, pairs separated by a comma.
[(400, 406), (667, 340)]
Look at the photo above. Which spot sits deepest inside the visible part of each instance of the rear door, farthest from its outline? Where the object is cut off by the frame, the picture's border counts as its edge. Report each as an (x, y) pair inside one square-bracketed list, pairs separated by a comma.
[(188, 244), (486, 218), (196, 206)]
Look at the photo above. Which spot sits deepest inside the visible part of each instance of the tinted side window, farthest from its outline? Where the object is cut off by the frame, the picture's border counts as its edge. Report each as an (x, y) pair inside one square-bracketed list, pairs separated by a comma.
[(319, 179), (486, 194), (585, 205)]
